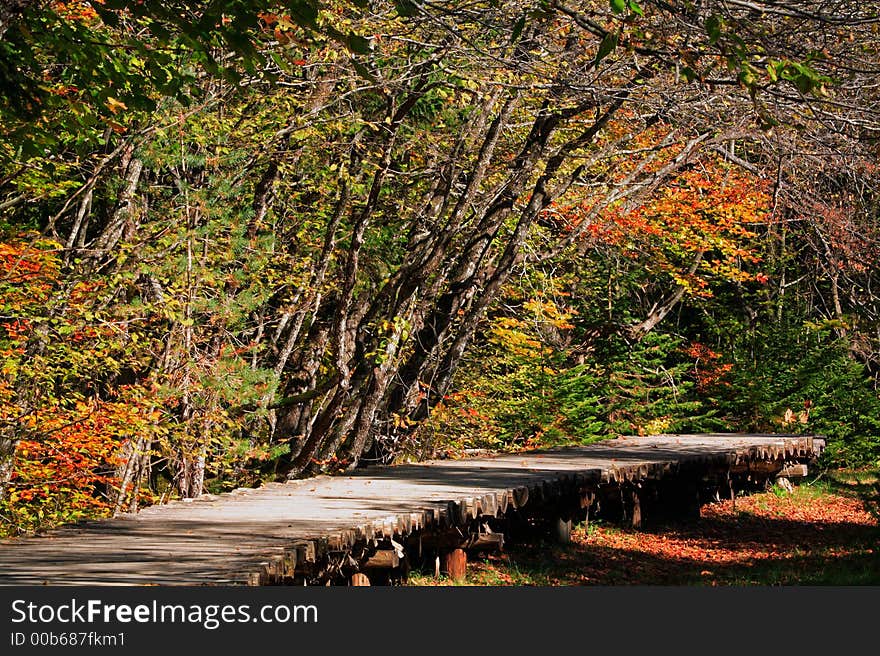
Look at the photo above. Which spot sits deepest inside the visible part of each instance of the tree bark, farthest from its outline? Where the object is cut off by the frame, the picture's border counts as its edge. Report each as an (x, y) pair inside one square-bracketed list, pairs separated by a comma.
[(660, 310)]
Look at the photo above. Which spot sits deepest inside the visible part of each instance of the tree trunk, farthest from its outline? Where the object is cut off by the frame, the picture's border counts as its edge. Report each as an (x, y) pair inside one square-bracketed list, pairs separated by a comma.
[(123, 220), (660, 310)]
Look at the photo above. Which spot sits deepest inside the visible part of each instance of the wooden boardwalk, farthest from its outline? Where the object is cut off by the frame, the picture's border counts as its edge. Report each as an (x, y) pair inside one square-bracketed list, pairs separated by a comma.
[(270, 534)]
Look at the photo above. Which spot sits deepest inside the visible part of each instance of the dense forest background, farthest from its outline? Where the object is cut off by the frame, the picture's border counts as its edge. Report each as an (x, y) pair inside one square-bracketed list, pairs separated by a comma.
[(245, 240)]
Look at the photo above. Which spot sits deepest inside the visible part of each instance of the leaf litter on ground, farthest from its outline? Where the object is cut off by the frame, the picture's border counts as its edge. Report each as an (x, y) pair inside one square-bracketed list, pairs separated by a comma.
[(824, 536)]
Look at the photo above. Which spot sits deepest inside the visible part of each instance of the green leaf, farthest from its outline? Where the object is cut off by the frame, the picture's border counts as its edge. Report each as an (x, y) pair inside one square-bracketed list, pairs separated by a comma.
[(713, 28), (109, 18), (804, 83), (747, 77), (357, 44), (364, 72), (280, 62), (518, 28), (609, 43), (635, 8), (406, 8), (305, 13), (690, 74), (618, 6)]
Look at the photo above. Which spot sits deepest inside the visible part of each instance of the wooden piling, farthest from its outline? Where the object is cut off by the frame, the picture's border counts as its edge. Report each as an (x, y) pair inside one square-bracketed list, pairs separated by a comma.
[(636, 509), (360, 580), (560, 530), (456, 564)]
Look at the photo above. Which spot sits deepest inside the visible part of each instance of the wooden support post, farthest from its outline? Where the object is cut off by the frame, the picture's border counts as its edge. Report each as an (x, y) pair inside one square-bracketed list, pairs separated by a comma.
[(560, 530), (636, 509), (456, 564), (785, 484), (360, 580)]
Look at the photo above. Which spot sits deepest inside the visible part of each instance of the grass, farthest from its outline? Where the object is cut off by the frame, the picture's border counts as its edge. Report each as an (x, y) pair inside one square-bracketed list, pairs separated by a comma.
[(825, 532)]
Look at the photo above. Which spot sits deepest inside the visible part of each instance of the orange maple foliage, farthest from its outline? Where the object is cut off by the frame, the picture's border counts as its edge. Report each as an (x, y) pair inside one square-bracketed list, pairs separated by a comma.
[(69, 446), (709, 370), (708, 211), (69, 468), (74, 10)]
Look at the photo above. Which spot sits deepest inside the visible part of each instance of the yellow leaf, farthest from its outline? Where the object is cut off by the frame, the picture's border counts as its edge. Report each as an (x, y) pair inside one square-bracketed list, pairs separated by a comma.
[(115, 105)]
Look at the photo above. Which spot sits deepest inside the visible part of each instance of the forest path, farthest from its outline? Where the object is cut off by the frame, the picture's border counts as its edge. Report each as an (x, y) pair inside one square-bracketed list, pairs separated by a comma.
[(256, 536)]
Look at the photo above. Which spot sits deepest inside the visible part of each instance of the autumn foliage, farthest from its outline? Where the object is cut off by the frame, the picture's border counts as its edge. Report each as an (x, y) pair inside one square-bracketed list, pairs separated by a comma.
[(71, 442), (242, 243), (710, 211), (70, 470)]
